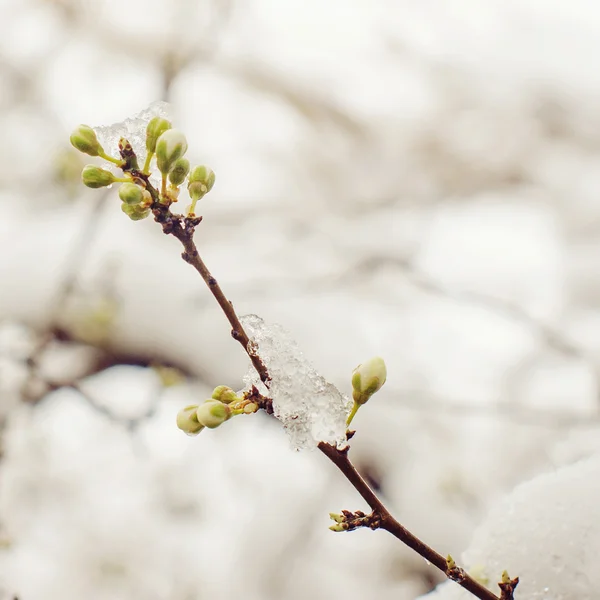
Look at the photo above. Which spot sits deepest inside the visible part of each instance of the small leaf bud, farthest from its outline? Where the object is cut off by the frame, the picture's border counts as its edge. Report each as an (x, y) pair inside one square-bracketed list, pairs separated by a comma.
[(200, 182), (85, 140), (131, 193), (135, 212), (181, 168), (170, 146), (95, 177), (156, 127), (213, 413), (225, 394), (367, 379), (187, 420)]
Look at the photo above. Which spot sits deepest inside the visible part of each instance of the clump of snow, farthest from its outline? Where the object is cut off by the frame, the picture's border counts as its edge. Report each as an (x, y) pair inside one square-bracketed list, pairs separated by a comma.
[(133, 129), (546, 533), (311, 409)]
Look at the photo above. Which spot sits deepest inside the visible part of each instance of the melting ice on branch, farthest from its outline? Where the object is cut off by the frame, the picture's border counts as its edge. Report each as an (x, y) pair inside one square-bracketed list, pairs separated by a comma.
[(133, 129), (311, 409)]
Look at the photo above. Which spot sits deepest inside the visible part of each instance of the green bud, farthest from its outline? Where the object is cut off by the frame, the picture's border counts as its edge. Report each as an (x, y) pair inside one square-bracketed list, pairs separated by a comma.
[(131, 193), (200, 182), (338, 527), (213, 413), (337, 517), (85, 140), (225, 394), (187, 420), (95, 177), (179, 171), (155, 129), (134, 211), (367, 379), (170, 146)]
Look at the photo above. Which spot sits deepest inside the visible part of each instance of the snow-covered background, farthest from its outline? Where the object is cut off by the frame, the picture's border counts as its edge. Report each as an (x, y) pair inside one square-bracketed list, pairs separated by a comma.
[(417, 179)]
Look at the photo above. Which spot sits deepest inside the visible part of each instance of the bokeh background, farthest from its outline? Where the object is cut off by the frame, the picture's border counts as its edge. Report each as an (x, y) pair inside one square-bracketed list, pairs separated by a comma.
[(415, 179)]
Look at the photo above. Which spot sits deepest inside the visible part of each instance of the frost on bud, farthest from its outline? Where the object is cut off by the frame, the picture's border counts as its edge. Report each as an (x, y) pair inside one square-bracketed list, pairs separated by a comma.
[(200, 182), (368, 379), (170, 146), (225, 394), (131, 193), (187, 420), (155, 129), (134, 211), (85, 140), (95, 177), (213, 413), (181, 168)]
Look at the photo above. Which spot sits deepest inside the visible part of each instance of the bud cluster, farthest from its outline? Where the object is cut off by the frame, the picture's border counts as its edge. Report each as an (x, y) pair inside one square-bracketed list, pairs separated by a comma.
[(137, 194), (223, 404)]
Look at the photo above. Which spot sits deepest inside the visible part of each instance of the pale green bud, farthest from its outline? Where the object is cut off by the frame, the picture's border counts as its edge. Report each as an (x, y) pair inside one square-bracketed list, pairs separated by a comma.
[(187, 420), (225, 394), (213, 413), (135, 212), (131, 193), (180, 169), (154, 130), (367, 379), (85, 140), (170, 146), (200, 182), (95, 177)]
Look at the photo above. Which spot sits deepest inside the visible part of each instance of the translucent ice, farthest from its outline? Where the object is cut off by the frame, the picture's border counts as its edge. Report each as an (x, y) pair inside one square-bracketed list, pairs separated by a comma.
[(133, 129), (311, 409)]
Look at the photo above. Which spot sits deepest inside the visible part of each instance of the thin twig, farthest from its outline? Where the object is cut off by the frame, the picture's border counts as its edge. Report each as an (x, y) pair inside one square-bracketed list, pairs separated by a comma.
[(341, 460)]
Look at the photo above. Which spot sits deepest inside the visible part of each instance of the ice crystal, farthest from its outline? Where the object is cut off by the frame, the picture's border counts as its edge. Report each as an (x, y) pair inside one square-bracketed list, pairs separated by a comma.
[(311, 409), (133, 129)]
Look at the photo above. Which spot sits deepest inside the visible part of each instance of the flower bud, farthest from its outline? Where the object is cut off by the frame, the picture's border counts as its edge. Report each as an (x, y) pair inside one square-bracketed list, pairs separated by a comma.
[(225, 394), (156, 127), (134, 211), (85, 140), (368, 379), (187, 420), (170, 146), (131, 193), (95, 177), (200, 182), (213, 413), (179, 171)]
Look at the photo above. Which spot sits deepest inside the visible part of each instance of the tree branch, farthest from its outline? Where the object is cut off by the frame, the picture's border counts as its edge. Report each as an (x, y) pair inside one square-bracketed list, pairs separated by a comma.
[(183, 229)]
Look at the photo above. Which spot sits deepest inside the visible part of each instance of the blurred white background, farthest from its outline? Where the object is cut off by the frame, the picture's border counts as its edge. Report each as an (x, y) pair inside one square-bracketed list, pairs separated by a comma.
[(416, 179)]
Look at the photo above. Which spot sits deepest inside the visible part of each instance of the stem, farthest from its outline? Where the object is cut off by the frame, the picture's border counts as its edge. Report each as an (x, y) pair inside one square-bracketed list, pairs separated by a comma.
[(340, 459), (146, 168), (353, 412), (115, 161)]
